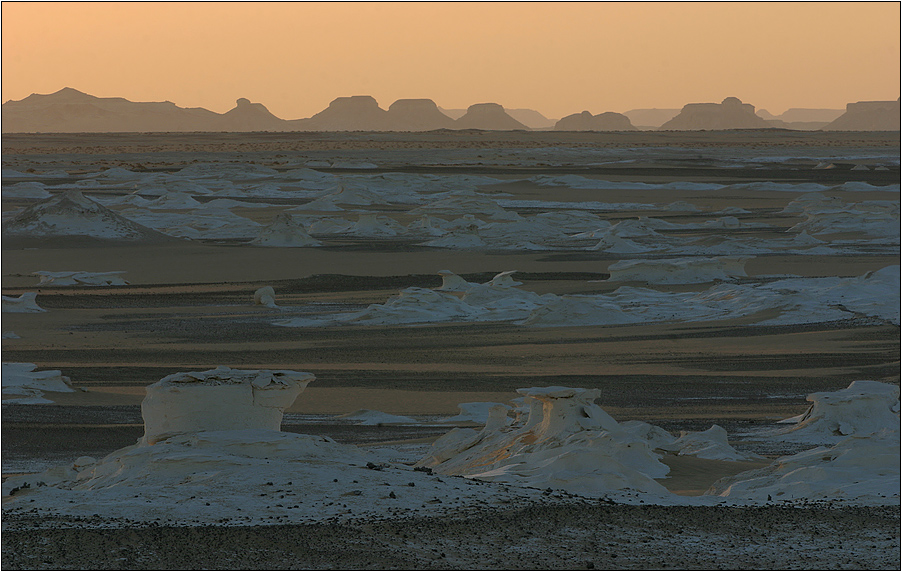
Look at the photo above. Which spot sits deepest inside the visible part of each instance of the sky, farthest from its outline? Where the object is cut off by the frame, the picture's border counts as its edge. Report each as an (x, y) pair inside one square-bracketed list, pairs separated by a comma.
[(555, 57)]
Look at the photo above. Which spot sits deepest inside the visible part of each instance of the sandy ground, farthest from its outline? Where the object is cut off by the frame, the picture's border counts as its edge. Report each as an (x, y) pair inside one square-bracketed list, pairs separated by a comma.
[(581, 536), (188, 308)]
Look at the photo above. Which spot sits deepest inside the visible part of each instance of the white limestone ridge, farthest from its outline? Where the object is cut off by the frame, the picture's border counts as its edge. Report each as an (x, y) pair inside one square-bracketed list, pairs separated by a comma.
[(693, 270), (78, 278), (24, 304), (221, 399), (73, 214)]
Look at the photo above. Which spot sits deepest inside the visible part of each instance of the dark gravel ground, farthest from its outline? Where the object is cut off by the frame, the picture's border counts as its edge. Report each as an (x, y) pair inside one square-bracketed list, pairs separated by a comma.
[(572, 537)]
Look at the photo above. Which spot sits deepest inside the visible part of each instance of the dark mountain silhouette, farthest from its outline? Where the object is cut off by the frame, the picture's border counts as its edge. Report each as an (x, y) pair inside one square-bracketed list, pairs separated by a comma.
[(488, 116), (731, 113), (868, 116), (585, 121)]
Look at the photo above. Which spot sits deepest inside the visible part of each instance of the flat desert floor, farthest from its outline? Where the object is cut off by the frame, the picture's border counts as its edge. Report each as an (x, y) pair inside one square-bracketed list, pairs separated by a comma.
[(189, 307)]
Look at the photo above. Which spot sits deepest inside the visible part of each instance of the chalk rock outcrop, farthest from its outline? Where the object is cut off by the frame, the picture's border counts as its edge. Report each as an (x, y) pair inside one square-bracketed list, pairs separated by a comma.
[(488, 116), (21, 380), (868, 116), (566, 442), (221, 399), (585, 121), (417, 115), (24, 304), (731, 113), (864, 408), (283, 231), (73, 214)]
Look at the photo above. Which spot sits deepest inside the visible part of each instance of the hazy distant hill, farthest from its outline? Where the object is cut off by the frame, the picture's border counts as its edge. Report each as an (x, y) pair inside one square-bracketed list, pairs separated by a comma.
[(868, 116), (488, 116), (650, 118), (585, 121), (71, 111), (731, 113), (528, 117), (802, 119)]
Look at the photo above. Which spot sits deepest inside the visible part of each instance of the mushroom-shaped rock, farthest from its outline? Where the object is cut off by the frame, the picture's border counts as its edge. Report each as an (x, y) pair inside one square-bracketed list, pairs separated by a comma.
[(265, 296), (220, 399)]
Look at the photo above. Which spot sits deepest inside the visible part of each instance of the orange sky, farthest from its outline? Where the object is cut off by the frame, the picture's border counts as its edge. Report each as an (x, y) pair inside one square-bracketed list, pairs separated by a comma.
[(558, 58)]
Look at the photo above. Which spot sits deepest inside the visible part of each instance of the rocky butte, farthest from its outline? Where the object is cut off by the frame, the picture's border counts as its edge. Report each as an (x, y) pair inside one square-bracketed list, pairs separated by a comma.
[(731, 113), (585, 121), (488, 116), (868, 116)]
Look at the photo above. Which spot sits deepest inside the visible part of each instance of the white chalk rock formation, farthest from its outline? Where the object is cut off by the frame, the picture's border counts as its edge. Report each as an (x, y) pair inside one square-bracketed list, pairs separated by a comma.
[(283, 231), (73, 214), (694, 270), (21, 380), (24, 304), (451, 282), (863, 408), (27, 190), (567, 442), (266, 296), (70, 278), (709, 444), (863, 469), (375, 225), (221, 399), (503, 280)]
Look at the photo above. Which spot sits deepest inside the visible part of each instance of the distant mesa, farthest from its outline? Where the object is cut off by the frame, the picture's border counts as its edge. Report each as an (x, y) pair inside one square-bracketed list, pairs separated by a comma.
[(650, 118), (354, 113), (868, 116), (731, 113), (247, 116), (71, 111), (417, 115), (488, 116), (585, 121)]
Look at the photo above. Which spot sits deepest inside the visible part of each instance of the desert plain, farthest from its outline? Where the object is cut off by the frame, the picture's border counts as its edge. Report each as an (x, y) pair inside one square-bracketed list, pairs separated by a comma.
[(189, 306)]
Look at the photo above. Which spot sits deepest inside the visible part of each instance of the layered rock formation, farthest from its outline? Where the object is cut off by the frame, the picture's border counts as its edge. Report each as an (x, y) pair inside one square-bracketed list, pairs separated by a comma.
[(868, 116), (731, 113), (585, 121)]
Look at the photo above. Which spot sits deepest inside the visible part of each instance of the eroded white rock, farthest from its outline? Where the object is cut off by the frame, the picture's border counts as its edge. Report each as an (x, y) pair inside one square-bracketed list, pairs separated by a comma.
[(221, 399)]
